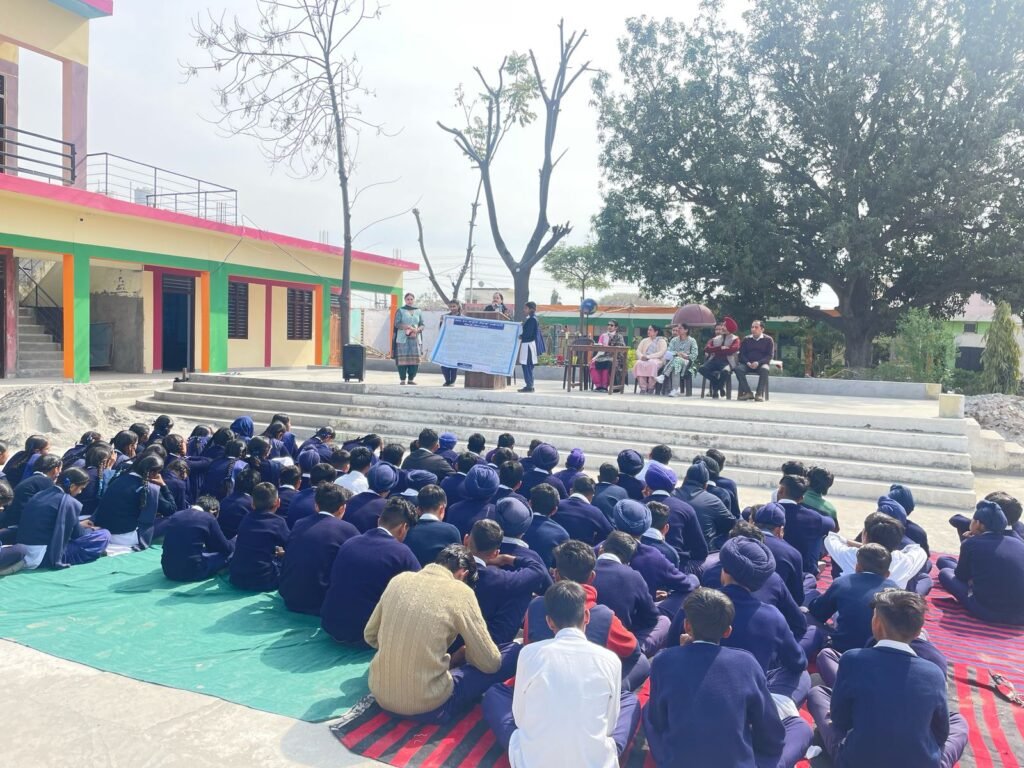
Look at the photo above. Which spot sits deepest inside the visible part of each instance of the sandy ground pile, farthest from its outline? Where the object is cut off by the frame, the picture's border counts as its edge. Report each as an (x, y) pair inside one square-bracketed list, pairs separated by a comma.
[(1001, 413), (61, 412)]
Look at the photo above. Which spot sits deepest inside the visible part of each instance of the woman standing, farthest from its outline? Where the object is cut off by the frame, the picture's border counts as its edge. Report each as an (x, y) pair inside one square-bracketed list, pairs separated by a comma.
[(450, 374), (498, 305), (684, 353), (408, 327), (650, 354), (601, 364)]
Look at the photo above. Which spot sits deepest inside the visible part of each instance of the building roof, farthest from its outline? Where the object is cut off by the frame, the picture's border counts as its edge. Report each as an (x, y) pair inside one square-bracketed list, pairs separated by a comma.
[(89, 9)]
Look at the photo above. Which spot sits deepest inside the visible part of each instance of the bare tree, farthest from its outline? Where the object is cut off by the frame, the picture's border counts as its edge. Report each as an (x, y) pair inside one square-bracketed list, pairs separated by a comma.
[(480, 143), (293, 83), (460, 275)]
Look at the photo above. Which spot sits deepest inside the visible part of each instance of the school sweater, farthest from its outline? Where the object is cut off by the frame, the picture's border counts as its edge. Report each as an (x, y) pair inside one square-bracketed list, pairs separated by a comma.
[(634, 487), (23, 493), (805, 530), (50, 519), (658, 573), (685, 534), (131, 503), (303, 505), (188, 535), (429, 536), (504, 492), (710, 706), (892, 707), (519, 548), (789, 564), (233, 510), (421, 458), (714, 517), (919, 536), (624, 591), (656, 539), (730, 485), (582, 520), (606, 496), (505, 593), (994, 566), (286, 494), (452, 487), (543, 536), (849, 600), (774, 592), (361, 571), (254, 565), (308, 558), (323, 450), (466, 512), (366, 514), (537, 476)]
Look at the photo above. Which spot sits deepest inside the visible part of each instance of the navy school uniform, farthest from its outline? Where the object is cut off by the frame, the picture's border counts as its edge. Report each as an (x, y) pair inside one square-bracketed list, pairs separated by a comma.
[(566, 477), (219, 477), (324, 451), (361, 571), (452, 487), (519, 548), (50, 519), (429, 536), (466, 512), (805, 531), (624, 591), (788, 565), (254, 565), (537, 476), (655, 539), (287, 494), (659, 574), (723, 496), (848, 598), (233, 510), (543, 536), (504, 492), (366, 513), (710, 706), (504, 594), (993, 564), (90, 495), (23, 493), (582, 520), (131, 503), (685, 534), (308, 558), (918, 535), (194, 546), (634, 487), (16, 474), (450, 456), (303, 505), (606, 496), (178, 489), (730, 485), (713, 516), (774, 592)]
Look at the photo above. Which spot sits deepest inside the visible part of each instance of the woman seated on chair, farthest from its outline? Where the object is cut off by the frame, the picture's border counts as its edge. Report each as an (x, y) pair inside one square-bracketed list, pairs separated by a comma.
[(601, 363), (683, 351), (650, 356)]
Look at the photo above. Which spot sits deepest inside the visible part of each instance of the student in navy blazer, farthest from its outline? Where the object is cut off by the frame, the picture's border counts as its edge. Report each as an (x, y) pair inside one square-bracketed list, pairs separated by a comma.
[(789, 563), (545, 459), (725, 482), (714, 517), (581, 519), (311, 550), (452, 484), (631, 463), (259, 547), (515, 519), (291, 482), (806, 528), (510, 481), (304, 503), (362, 570), (888, 708), (608, 492), (684, 533), (431, 533), (544, 534), (479, 486), (624, 591), (194, 546), (366, 506)]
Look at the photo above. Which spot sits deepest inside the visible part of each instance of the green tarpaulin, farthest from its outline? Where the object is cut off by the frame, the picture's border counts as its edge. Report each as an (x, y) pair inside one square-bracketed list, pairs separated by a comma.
[(121, 615)]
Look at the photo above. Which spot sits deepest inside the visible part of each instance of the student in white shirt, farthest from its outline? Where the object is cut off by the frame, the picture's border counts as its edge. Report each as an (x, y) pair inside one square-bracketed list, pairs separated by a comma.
[(359, 464), (879, 528), (567, 707)]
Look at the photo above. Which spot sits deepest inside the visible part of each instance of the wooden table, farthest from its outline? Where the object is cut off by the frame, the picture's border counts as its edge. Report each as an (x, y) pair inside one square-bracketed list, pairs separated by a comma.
[(579, 360)]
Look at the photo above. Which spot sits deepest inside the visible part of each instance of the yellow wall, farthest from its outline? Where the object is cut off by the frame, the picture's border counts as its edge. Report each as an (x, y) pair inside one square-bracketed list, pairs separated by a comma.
[(46, 28), (285, 353), (248, 353), (9, 52), (147, 322)]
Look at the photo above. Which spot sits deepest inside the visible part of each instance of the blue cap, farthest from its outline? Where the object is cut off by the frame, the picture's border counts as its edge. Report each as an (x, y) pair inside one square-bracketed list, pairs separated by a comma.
[(630, 462), (447, 441), (382, 477), (545, 456), (308, 459), (893, 509), (513, 516), (770, 516), (420, 478), (576, 459), (481, 482), (632, 517), (991, 515), (660, 478)]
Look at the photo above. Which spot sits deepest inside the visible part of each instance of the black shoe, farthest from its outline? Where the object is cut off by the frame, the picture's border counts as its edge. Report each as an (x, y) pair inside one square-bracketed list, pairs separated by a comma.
[(447, 383), (526, 389), (412, 383), (402, 381)]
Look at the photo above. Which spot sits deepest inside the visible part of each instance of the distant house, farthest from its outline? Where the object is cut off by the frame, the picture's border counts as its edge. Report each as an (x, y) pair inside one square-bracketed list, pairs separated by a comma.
[(970, 327)]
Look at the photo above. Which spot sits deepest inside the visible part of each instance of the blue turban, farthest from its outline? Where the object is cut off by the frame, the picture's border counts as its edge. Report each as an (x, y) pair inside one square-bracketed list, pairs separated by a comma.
[(382, 477), (696, 474), (991, 515), (308, 459), (748, 561), (660, 478), (902, 495), (576, 459), (419, 478), (892, 508), (770, 515), (481, 482), (447, 441), (630, 462), (513, 516), (631, 517), (545, 456)]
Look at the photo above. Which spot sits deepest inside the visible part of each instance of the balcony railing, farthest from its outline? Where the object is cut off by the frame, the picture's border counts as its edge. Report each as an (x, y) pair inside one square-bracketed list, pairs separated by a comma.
[(143, 184), (33, 154)]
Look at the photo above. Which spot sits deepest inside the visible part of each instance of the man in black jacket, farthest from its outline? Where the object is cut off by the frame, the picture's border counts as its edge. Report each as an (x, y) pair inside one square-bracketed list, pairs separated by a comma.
[(426, 457)]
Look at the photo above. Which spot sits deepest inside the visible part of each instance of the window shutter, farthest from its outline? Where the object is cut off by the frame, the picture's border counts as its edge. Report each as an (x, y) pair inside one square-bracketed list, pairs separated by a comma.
[(238, 310), (300, 314)]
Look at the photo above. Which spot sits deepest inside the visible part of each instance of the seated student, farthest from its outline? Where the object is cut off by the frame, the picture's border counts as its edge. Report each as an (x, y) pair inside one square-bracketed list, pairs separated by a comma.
[(579, 517), (515, 519), (431, 533), (194, 546), (879, 528), (43, 475), (544, 534), (142, 432), (575, 561), (452, 484), (505, 440), (477, 444), (714, 517), (888, 708), (724, 482), (710, 705), (773, 592), (274, 433), (510, 480), (479, 486), (760, 628), (49, 528), (828, 662), (220, 476), (321, 442), (631, 464), (806, 528), (660, 454), (506, 583), (175, 476), (342, 459), (125, 444), (905, 498), (75, 456), (1011, 510), (655, 535), (414, 624), (291, 482), (238, 504), (360, 461), (608, 492), (312, 548), (988, 579), (99, 462), (685, 535), (362, 569), (624, 591), (132, 503), (258, 457), (446, 443), (568, 698), (712, 487), (819, 481), (365, 507), (662, 578), (426, 457), (849, 599), (545, 459), (162, 427), (243, 427), (304, 502), (574, 464), (417, 479), (771, 519), (501, 456), (260, 545), (20, 465)]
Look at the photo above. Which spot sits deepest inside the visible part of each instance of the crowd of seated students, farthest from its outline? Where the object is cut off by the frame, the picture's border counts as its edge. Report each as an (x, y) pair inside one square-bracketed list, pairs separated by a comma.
[(464, 569)]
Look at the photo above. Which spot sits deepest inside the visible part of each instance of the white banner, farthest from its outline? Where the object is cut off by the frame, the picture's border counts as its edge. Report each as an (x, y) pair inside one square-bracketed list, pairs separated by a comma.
[(479, 345)]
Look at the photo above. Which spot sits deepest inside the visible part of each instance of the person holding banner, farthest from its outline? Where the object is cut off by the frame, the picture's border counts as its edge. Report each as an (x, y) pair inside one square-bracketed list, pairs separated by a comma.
[(408, 327), (450, 374), (531, 345)]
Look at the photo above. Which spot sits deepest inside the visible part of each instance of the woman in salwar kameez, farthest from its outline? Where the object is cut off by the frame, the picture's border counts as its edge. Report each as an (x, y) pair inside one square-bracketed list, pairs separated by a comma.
[(408, 327)]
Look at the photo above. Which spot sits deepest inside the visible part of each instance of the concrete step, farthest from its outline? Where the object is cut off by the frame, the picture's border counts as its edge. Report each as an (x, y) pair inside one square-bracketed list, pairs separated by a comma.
[(34, 336), (522, 418), (38, 346), (44, 372), (32, 359)]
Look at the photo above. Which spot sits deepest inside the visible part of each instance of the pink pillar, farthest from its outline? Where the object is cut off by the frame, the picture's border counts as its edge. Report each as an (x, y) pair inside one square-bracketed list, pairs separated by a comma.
[(75, 108), (9, 73), (9, 292)]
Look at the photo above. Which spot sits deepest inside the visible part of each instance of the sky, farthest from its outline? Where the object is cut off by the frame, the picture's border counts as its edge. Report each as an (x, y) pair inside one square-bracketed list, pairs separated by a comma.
[(413, 58)]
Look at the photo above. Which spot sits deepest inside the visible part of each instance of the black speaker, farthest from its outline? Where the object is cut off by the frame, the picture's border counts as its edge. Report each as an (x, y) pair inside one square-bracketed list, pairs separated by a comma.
[(353, 361)]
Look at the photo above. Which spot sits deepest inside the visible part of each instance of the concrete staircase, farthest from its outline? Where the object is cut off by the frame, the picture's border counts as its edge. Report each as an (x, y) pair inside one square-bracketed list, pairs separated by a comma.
[(39, 355), (866, 452)]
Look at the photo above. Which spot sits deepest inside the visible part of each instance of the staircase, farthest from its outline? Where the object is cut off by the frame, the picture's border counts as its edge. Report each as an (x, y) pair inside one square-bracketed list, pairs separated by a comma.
[(39, 356), (866, 452)]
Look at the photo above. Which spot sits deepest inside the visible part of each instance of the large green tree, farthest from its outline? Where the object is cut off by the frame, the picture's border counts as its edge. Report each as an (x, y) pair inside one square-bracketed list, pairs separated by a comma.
[(871, 146), (580, 267)]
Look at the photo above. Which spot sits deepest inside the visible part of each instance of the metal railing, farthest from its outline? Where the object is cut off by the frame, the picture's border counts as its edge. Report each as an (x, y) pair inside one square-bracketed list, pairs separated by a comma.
[(125, 179), (33, 154), (48, 312)]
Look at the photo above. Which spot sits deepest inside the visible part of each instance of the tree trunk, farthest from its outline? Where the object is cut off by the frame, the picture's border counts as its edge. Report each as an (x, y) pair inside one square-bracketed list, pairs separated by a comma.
[(859, 341), (521, 288)]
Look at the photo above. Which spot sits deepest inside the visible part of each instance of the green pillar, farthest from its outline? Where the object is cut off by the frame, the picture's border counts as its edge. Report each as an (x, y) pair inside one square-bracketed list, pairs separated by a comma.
[(76, 317), (325, 324), (217, 321)]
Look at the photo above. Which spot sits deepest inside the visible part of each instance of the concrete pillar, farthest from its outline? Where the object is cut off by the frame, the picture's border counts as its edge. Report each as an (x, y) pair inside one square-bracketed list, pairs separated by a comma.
[(9, 73), (10, 310), (951, 406), (76, 317), (321, 324), (215, 353), (75, 88)]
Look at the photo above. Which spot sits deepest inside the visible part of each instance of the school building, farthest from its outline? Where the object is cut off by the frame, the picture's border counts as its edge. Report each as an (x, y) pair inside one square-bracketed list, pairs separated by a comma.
[(107, 263)]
